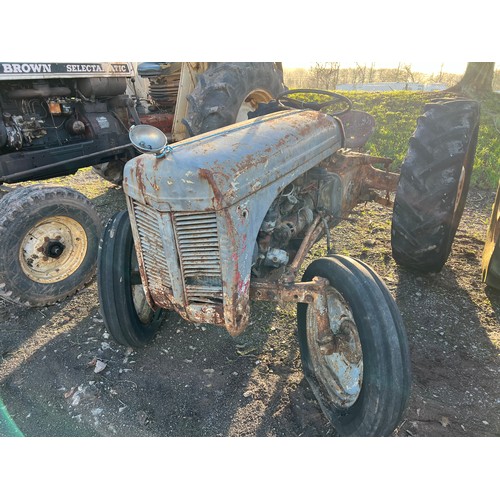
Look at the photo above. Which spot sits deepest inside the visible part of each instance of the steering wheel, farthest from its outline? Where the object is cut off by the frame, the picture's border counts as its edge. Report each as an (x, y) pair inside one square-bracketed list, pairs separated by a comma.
[(284, 100)]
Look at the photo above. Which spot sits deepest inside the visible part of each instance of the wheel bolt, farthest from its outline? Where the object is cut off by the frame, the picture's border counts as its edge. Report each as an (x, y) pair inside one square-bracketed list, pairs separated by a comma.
[(327, 349)]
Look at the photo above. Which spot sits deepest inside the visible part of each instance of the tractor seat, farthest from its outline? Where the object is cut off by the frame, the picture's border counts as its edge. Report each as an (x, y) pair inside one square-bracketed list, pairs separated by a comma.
[(359, 126)]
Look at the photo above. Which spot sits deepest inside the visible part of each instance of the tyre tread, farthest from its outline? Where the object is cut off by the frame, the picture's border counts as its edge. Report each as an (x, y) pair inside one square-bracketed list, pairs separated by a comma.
[(215, 100), (424, 221)]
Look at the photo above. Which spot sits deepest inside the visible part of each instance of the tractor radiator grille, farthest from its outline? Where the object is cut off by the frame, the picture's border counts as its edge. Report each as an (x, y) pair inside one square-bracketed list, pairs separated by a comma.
[(155, 262), (198, 245)]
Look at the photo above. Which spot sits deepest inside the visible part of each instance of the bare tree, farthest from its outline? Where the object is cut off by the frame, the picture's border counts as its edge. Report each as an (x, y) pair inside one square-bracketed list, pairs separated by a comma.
[(360, 73), (371, 73), (409, 76), (396, 79), (296, 77), (440, 76), (326, 75)]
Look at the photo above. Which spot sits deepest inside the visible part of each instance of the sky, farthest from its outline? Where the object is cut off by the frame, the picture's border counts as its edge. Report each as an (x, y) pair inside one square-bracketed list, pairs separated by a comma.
[(298, 35)]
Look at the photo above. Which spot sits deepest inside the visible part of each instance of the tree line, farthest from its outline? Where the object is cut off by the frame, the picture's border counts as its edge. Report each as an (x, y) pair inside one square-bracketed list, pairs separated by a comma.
[(327, 75)]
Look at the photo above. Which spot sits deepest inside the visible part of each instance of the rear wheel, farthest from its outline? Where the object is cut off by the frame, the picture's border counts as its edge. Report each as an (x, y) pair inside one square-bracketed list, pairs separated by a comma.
[(491, 254), (48, 244), (127, 315), (362, 377), (228, 91), (433, 185)]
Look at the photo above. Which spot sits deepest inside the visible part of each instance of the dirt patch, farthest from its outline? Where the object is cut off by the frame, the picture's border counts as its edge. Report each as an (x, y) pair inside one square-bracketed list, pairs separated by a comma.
[(62, 375)]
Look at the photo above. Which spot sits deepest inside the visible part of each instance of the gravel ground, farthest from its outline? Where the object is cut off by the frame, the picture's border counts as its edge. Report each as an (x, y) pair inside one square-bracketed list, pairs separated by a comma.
[(62, 375)]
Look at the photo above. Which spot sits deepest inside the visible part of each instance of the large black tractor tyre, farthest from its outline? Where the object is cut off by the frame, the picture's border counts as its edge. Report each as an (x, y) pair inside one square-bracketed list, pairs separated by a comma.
[(491, 254), (226, 92), (123, 306), (363, 383), (434, 182), (49, 239)]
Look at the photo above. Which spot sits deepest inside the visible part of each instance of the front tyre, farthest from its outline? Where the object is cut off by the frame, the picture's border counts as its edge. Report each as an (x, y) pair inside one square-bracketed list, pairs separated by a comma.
[(48, 244), (362, 379), (127, 316)]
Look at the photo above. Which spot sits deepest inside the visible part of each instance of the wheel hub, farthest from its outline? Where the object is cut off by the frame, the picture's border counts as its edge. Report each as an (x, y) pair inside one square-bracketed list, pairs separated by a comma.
[(53, 249), (251, 102), (336, 355)]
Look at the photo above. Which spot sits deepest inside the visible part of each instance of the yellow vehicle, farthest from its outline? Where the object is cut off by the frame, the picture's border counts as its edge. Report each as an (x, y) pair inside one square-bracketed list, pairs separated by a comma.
[(491, 254)]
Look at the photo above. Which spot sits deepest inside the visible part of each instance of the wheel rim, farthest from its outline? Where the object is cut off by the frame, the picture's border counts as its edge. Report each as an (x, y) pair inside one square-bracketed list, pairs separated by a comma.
[(340, 373), (142, 308), (251, 102), (53, 249)]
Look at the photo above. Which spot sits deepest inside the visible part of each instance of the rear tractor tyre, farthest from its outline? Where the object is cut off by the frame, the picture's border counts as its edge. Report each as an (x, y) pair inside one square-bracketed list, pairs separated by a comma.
[(127, 316), (433, 185), (361, 378), (226, 92), (48, 244), (223, 95)]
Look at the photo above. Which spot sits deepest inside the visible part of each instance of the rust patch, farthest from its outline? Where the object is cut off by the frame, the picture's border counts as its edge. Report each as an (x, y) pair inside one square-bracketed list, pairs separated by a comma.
[(308, 292), (137, 171), (359, 177), (163, 121), (249, 162), (310, 238), (273, 291), (209, 177), (208, 314)]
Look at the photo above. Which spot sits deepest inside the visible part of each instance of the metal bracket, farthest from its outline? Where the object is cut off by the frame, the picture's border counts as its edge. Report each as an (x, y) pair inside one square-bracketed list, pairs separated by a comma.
[(308, 292)]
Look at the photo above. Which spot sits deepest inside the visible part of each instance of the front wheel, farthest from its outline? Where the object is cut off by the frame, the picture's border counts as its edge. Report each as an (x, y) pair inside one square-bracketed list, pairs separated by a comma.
[(127, 315), (361, 377)]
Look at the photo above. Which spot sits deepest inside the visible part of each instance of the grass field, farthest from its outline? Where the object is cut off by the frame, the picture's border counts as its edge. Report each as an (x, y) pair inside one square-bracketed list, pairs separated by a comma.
[(396, 114)]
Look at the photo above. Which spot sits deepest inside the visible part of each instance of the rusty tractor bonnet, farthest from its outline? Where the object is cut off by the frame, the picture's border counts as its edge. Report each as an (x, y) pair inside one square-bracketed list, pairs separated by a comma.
[(196, 212)]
